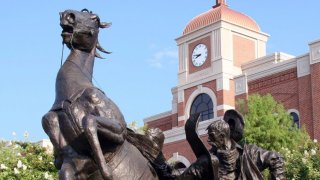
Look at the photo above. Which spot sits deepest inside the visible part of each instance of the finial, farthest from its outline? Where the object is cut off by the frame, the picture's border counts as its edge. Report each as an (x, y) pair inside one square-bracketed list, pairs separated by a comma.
[(220, 2)]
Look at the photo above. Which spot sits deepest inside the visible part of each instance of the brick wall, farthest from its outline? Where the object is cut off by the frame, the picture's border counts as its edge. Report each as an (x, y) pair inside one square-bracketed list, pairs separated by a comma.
[(243, 50), (315, 91), (181, 106), (282, 86), (187, 94), (164, 123), (211, 85), (174, 120), (226, 96), (305, 103), (183, 148)]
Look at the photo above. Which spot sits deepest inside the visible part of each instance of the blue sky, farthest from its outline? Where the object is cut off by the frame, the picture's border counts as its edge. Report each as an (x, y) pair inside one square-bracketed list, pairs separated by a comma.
[(142, 69)]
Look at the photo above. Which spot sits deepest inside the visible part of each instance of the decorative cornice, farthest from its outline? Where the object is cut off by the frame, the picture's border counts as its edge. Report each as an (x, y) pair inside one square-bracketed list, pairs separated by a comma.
[(224, 107), (268, 60), (205, 79), (314, 52), (303, 66), (174, 90), (268, 65), (157, 116), (314, 42), (272, 80)]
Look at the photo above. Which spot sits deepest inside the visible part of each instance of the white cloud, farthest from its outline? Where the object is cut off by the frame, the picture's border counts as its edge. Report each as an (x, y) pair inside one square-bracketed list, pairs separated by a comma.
[(164, 57)]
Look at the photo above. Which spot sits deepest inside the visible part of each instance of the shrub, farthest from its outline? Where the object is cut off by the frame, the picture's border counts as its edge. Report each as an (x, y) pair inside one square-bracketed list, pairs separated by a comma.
[(25, 160), (304, 162)]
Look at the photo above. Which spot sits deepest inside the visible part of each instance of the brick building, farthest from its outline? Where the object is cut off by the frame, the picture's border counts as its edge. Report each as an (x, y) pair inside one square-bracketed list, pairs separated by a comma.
[(222, 58)]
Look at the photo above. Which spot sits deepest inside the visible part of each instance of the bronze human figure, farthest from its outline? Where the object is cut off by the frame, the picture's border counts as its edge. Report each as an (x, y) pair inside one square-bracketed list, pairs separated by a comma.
[(236, 162), (206, 166)]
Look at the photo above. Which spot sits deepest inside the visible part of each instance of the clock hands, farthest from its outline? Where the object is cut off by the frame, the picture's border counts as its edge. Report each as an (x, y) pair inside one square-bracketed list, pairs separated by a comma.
[(196, 55)]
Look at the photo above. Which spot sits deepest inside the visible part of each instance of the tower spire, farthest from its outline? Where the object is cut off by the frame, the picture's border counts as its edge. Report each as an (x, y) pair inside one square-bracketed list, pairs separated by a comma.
[(220, 2)]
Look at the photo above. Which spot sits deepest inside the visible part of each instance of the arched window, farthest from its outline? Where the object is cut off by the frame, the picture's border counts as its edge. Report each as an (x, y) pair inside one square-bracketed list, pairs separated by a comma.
[(295, 118), (179, 165), (202, 104)]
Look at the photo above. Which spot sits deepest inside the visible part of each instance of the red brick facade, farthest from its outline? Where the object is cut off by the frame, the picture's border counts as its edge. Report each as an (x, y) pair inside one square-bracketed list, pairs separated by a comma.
[(305, 103), (243, 50), (184, 148), (164, 123), (282, 86), (315, 92)]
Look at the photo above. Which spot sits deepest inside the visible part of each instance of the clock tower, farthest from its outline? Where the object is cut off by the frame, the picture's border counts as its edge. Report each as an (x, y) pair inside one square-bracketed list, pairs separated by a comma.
[(212, 48)]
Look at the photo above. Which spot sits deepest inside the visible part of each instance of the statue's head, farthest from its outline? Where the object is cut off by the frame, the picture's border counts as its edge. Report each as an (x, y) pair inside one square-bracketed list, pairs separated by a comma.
[(236, 124), (80, 30), (218, 133)]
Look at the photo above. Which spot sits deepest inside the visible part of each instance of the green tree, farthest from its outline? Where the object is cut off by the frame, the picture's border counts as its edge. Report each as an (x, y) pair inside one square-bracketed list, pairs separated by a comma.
[(268, 125), (140, 130)]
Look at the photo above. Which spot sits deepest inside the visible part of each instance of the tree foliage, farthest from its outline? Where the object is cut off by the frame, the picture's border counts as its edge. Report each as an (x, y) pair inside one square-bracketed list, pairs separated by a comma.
[(268, 125), (140, 130)]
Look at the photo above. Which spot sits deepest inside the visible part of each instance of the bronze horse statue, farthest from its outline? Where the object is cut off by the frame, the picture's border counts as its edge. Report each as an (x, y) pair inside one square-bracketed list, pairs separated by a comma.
[(87, 129)]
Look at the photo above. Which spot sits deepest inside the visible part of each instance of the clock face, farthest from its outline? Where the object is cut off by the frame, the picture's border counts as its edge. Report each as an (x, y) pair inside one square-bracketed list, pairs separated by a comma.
[(199, 55)]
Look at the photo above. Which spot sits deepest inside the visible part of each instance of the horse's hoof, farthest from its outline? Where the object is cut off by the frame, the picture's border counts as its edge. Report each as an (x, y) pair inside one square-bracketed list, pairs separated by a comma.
[(106, 172)]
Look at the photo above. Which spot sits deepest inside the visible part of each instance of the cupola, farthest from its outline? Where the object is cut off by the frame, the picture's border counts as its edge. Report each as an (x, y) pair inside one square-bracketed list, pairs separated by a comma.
[(221, 12)]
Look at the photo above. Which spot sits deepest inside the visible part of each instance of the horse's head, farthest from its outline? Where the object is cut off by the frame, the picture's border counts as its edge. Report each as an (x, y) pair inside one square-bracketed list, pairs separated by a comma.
[(80, 30)]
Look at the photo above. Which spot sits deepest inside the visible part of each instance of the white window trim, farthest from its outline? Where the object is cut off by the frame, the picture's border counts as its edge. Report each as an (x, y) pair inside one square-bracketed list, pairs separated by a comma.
[(178, 158), (197, 92), (297, 112)]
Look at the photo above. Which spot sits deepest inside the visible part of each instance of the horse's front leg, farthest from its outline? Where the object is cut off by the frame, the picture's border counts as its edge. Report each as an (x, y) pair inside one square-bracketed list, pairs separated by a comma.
[(50, 124), (67, 171), (109, 129), (75, 166)]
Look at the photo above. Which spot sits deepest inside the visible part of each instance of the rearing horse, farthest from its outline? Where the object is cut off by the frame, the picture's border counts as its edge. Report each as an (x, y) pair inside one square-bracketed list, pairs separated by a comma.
[(87, 129)]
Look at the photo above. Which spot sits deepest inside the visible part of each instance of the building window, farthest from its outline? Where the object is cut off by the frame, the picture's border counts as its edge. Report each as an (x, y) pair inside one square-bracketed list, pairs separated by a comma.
[(295, 118), (179, 166), (203, 105)]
